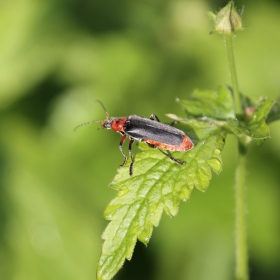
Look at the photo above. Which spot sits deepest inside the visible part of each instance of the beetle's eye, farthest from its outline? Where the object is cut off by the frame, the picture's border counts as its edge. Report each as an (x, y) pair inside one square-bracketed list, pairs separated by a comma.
[(107, 125)]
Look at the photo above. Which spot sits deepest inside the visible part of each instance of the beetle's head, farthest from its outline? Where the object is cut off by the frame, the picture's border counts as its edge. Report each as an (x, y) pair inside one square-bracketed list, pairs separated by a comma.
[(107, 124)]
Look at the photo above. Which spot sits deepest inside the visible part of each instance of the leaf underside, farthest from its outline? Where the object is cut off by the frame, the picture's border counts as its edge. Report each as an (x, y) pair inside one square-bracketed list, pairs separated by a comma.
[(159, 184)]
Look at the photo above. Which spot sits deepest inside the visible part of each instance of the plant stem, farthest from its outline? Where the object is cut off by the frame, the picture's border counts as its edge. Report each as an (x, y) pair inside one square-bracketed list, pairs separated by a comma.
[(240, 180), (240, 219), (232, 70)]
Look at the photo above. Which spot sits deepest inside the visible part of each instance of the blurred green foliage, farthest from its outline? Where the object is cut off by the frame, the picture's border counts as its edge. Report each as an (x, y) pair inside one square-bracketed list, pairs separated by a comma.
[(56, 59)]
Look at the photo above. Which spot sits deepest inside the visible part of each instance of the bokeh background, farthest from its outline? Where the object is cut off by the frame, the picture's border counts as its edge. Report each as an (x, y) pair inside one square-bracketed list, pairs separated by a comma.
[(56, 58)]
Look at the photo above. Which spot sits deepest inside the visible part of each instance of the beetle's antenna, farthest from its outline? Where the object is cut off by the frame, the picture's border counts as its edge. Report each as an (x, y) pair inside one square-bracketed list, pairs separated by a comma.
[(90, 122), (106, 112), (86, 123)]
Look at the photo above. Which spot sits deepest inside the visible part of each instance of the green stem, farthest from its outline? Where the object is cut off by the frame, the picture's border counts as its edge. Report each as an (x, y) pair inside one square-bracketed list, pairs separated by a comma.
[(240, 203), (240, 219), (232, 69)]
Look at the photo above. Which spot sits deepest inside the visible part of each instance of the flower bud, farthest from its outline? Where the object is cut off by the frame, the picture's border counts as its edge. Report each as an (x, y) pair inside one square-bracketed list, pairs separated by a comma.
[(227, 20)]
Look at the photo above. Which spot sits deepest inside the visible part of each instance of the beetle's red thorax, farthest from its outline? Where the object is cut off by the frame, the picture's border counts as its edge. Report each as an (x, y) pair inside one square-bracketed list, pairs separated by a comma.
[(118, 124)]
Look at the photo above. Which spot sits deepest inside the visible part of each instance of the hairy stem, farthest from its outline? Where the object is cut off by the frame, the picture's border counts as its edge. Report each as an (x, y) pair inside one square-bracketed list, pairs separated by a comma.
[(240, 219), (240, 180), (233, 75)]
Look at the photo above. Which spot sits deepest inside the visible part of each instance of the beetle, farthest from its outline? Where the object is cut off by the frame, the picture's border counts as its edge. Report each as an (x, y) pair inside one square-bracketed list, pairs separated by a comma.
[(151, 131)]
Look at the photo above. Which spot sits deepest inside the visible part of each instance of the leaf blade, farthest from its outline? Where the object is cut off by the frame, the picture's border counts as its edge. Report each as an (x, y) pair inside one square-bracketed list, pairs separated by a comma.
[(214, 104), (143, 197)]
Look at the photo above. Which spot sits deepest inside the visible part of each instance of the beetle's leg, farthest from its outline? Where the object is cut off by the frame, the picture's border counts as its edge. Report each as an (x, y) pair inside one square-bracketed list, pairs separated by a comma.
[(121, 149), (172, 124), (130, 155), (151, 145), (171, 157), (168, 155), (153, 117)]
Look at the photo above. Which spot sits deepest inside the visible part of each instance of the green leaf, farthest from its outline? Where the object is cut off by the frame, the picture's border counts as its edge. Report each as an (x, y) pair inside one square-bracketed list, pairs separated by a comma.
[(257, 124), (256, 127), (274, 113), (157, 184), (214, 104), (217, 108)]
